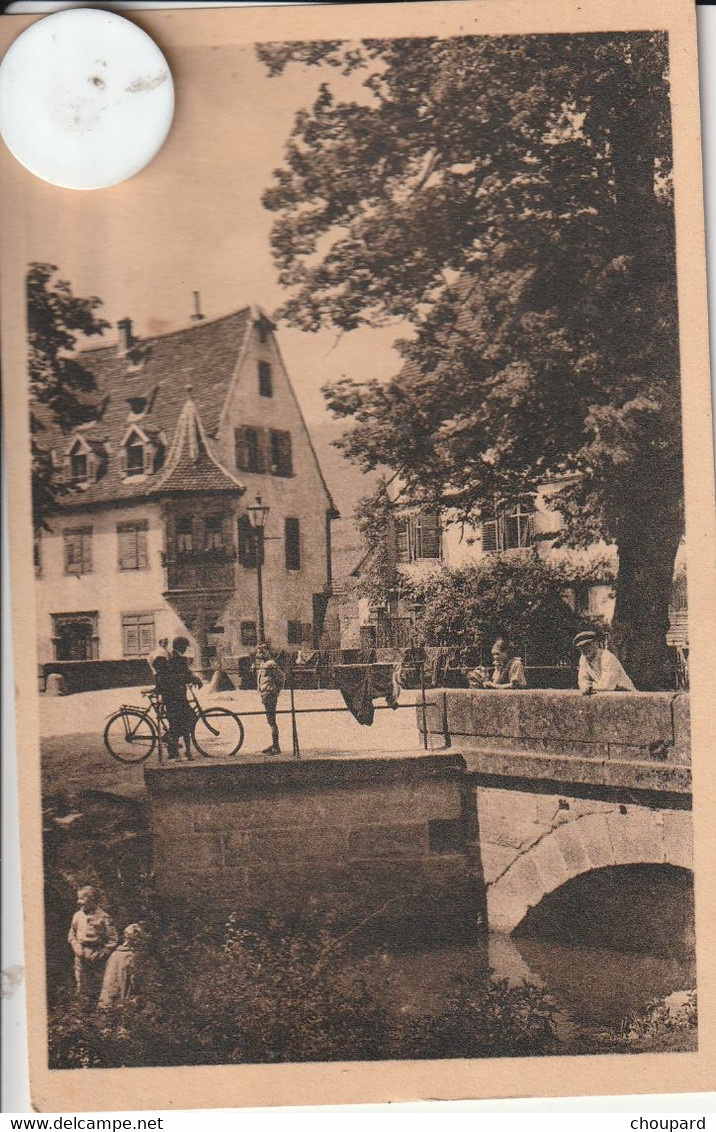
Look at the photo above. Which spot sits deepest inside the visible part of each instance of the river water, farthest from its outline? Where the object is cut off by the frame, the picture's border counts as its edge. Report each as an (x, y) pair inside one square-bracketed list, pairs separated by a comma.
[(603, 948), (591, 986)]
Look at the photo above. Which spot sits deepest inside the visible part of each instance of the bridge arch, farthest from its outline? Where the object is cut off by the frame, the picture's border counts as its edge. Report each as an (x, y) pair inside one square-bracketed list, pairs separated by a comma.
[(617, 835)]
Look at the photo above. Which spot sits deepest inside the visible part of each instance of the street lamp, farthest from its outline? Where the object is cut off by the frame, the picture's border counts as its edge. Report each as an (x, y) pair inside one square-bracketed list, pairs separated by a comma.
[(257, 513)]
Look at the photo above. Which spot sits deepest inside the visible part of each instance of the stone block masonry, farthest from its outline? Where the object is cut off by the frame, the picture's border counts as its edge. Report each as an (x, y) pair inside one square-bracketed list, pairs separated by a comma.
[(386, 841), (613, 739), (536, 788), (531, 845), (565, 784)]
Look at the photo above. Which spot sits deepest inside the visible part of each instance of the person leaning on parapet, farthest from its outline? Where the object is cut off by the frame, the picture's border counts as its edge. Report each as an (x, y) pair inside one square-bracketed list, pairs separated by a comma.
[(508, 671), (173, 675), (599, 669), (92, 937), (270, 680)]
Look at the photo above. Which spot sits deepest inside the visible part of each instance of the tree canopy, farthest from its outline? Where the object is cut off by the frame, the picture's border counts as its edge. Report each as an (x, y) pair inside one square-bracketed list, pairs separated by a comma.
[(61, 389), (510, 198)]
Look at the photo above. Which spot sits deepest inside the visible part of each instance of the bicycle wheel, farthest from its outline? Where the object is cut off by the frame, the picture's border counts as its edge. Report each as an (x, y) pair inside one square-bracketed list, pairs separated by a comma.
[(218, 733), (130, 736)]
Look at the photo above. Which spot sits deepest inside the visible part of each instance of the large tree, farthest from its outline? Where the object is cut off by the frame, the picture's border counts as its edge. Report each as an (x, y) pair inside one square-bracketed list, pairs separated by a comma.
[(62, 391), (511, 199)]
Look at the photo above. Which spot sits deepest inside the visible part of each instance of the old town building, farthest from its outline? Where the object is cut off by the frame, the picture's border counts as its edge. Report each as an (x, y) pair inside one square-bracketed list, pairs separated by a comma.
[(153, 537), (422, 540)]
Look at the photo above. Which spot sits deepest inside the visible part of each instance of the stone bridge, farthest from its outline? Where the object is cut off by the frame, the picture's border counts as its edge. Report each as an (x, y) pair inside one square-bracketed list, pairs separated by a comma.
[(564, 784), (518, 793)]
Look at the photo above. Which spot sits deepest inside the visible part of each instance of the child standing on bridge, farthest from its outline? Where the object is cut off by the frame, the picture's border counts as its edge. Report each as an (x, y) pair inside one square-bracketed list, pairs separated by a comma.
[(270, 680)]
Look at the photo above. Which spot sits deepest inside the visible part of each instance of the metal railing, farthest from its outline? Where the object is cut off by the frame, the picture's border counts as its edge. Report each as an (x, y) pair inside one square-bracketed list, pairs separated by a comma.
[(294, 711)]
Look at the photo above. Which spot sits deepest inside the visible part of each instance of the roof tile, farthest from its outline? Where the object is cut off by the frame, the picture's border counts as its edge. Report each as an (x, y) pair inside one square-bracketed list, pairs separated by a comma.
[(158, 371)]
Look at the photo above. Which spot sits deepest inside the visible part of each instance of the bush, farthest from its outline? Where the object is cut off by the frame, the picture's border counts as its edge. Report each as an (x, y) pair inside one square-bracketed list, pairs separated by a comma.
[(268, 994), (667, 1025), (521, 598)]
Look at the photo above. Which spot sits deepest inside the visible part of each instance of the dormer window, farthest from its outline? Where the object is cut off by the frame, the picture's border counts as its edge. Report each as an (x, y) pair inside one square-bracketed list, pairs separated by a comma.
[(79, 462), (264, 326), (135, 459), (79, 471), (137, 453)]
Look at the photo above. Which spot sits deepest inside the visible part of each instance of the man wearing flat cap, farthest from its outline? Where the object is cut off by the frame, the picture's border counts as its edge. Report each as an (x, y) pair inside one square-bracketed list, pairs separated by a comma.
[(599, 669)]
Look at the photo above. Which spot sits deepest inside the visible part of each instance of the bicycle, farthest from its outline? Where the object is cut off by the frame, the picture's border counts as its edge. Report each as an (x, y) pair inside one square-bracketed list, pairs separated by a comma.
[(132, 734)]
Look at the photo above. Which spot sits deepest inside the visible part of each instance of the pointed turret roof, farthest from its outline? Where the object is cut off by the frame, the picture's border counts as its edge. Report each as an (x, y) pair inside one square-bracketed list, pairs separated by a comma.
[(190, 465)]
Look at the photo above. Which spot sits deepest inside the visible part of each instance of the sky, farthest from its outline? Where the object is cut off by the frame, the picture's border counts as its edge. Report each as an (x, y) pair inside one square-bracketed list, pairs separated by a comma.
[(193, 220)]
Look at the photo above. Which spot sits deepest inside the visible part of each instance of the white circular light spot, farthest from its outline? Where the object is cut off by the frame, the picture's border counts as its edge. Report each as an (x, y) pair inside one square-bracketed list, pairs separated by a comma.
[(86, 99)]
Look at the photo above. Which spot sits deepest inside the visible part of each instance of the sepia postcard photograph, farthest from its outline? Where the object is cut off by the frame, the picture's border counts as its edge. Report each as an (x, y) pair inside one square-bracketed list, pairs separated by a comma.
[(362, 543)]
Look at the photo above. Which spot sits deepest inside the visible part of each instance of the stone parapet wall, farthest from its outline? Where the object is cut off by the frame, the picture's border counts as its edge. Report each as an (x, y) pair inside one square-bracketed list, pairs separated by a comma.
[(387, 840), (639, 740)]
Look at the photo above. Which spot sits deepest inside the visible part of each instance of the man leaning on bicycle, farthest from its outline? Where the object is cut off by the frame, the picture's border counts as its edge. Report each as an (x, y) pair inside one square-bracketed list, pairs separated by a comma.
[(173, 674)]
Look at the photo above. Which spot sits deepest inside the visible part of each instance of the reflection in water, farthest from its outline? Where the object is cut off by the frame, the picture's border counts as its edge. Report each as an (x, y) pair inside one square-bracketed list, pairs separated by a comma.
[(603, 946), (608, 942), (593, 985)]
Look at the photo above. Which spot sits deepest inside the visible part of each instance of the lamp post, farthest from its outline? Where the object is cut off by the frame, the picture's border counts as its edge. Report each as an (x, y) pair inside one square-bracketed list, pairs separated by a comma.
[(257, 513)]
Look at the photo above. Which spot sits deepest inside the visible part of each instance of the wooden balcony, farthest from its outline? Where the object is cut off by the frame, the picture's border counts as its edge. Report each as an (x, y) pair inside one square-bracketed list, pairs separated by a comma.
[(200, 570)]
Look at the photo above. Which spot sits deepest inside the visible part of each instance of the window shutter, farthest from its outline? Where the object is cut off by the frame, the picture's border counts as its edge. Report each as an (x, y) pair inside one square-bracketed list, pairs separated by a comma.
[(130, 633), (402, 544), (86, 551), (263, 450), (247, 544), (274, 452), (146, 636), (489, 535), (281, 460), (240, 449), (142, 553), (126, 547), (292, 532), (70, 567), (286, 454), (430, 529), (265, 380), (252, 444)]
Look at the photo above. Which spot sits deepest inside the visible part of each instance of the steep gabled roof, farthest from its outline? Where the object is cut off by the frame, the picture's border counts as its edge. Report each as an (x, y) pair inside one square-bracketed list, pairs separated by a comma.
[(156, 372), (203, 354), (190, 465)]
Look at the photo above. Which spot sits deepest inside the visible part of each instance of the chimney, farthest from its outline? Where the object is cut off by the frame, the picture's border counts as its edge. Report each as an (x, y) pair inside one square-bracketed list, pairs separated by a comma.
[(197, 315), (125, 341)]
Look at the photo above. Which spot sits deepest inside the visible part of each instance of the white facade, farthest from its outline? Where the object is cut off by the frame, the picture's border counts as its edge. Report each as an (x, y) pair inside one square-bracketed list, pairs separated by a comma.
[(104, 589), (115, 574), (302, 495)]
